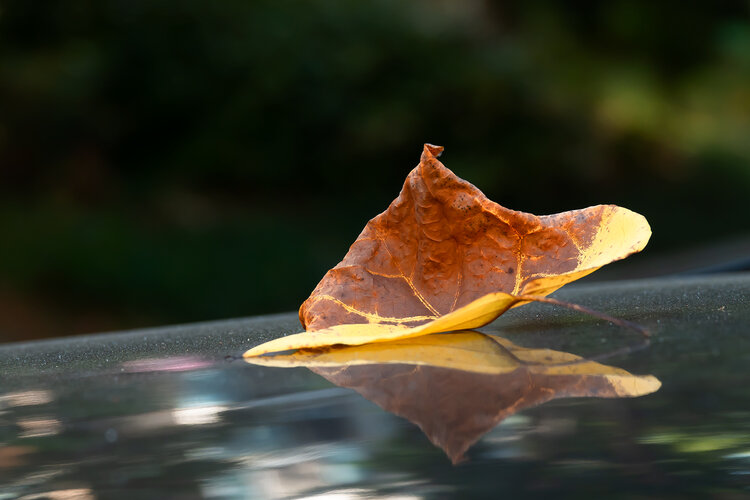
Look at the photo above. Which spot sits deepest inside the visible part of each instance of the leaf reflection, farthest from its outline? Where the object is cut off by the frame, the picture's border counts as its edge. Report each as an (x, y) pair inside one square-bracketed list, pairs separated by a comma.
[(458, 386)]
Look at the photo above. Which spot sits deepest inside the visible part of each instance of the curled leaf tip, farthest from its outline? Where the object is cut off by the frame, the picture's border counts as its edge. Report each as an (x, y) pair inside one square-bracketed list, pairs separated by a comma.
[(432, 150)]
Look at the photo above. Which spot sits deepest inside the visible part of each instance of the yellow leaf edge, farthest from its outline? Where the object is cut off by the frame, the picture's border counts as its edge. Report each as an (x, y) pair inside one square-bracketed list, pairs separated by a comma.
[(473, 315)]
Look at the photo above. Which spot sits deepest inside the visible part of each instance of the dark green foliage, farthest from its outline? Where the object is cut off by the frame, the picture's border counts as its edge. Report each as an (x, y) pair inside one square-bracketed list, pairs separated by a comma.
[(170, 161)]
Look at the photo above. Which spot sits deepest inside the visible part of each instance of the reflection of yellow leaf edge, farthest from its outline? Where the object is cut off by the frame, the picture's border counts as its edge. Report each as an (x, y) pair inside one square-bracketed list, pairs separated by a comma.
[(467, 351)]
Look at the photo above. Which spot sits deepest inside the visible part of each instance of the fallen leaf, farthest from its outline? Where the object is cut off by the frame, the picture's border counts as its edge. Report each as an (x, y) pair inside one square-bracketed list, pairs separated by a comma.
[(458, 386), (444, 257)]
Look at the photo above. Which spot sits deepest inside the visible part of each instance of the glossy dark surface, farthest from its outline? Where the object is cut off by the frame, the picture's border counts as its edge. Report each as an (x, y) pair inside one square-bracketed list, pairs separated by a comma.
[(172, 413)]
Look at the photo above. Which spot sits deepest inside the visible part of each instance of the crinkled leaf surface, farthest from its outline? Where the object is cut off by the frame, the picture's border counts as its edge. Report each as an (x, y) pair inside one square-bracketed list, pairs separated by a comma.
[(442, 248), (458, 386)]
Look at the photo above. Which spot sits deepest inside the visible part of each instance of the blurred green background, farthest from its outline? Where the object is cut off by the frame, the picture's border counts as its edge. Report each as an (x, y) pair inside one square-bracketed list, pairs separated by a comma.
[(170, 161)]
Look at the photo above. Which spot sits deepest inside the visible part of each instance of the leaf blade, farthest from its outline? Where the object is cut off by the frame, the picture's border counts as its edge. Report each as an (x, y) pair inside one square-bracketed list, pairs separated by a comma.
[(442, 244)]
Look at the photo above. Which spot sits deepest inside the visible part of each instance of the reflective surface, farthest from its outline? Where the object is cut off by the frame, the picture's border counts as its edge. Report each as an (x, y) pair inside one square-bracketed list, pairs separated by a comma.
[(172, 413), (457, 386)]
